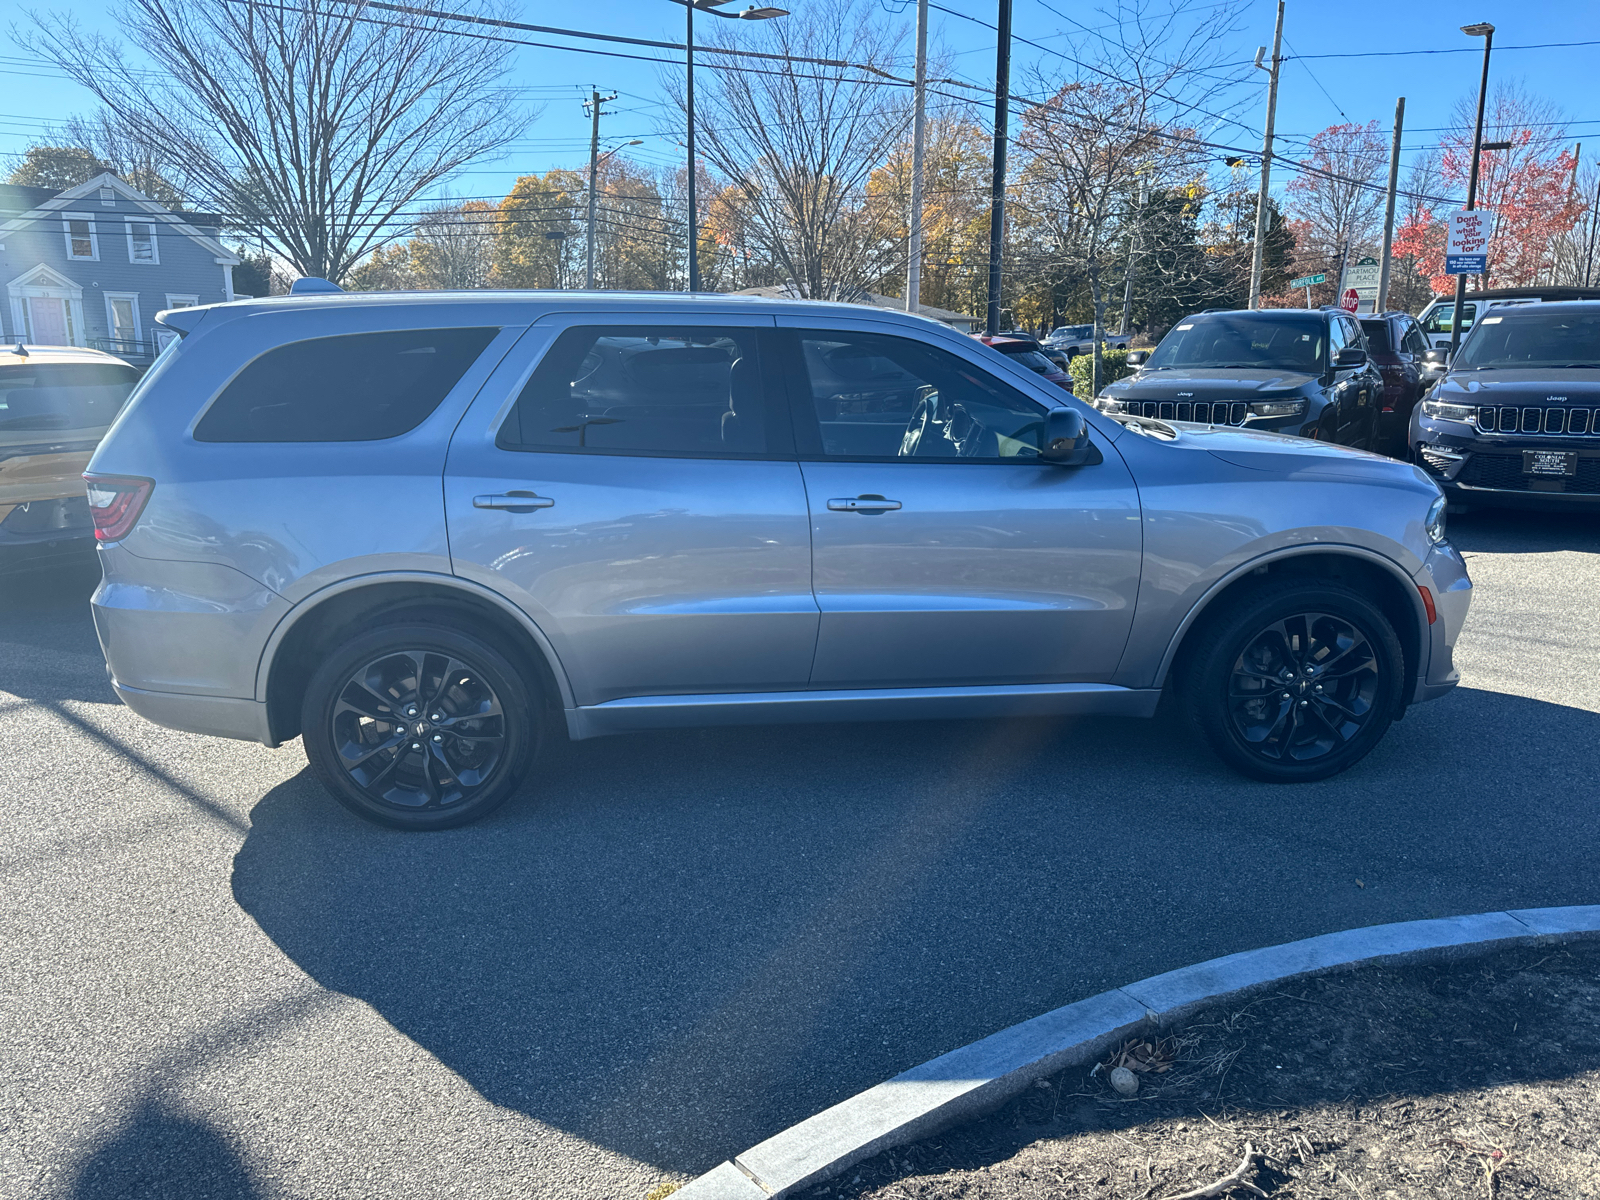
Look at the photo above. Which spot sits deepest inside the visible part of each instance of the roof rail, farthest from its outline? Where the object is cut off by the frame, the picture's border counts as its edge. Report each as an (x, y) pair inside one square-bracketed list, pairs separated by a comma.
[(311, 285)]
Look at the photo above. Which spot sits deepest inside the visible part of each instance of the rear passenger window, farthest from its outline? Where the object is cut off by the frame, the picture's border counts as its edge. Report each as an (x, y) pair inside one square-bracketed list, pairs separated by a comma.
[(361, 387), (644, 390)]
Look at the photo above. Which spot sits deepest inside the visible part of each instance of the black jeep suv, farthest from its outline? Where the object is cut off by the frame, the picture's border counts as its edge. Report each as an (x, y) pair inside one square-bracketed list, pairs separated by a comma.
[(1284, 370), (1516, 421)]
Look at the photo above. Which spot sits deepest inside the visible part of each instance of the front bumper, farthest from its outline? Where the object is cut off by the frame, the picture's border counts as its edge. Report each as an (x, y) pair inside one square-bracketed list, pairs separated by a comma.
[(1444, 574), (1474, 467)]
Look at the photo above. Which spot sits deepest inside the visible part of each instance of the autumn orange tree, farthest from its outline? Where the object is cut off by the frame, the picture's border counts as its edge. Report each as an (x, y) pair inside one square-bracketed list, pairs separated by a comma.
[(1528, 188)]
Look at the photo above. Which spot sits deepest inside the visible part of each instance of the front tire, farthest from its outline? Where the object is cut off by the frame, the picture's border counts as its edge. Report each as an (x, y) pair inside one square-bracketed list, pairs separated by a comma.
[(1296, 683), (419, 726)]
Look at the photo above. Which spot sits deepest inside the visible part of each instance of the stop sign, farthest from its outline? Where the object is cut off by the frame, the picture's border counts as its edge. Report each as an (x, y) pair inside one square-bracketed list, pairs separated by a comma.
[(1350, 301)]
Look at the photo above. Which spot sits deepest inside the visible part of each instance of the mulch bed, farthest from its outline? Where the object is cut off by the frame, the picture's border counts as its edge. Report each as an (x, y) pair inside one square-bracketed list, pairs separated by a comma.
[(1479, 1078)]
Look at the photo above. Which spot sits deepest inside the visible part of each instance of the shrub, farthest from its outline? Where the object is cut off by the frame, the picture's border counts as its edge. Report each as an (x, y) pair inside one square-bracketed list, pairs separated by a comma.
[(1113, 366)]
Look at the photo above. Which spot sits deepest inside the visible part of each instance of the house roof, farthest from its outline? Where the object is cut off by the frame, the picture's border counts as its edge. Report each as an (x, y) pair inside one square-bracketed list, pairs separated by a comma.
[(18, 198), (44, 202)]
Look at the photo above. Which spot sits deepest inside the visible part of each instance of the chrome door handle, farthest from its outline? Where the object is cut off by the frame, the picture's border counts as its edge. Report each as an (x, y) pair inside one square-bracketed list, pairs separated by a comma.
[(862, 504), (517, 502)]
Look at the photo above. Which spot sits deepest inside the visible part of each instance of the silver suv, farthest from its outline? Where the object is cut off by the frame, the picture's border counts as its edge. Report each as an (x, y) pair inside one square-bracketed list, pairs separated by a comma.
[(427, 532)]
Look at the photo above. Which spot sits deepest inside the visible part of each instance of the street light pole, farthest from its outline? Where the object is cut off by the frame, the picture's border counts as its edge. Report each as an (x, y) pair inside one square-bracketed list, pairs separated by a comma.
[(1486, 31), (750, 14), (997, 186), (1388, 208), (694, 210), (1258, 255), (918, 118)]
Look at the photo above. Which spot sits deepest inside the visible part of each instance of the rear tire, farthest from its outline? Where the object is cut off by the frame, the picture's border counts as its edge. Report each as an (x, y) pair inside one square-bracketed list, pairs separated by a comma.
[(1296, 682), (419, 726)]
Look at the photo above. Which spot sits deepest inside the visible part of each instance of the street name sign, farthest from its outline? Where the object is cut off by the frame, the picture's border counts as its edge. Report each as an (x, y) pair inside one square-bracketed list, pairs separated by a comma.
[(1309, 280), (1466, 250)]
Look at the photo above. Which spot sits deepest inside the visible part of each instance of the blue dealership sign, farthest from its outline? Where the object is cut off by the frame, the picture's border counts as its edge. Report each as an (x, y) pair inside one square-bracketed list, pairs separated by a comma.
[(1466, 264)]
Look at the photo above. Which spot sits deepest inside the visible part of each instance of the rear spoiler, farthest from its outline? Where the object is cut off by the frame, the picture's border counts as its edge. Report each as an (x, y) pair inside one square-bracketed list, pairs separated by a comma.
[(182, 321)]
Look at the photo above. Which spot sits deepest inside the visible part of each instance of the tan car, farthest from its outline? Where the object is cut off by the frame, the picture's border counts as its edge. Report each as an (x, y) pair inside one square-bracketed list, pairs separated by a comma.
[(56, 403)]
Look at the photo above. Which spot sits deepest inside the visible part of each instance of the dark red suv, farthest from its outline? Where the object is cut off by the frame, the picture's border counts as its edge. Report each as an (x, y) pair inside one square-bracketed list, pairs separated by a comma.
[(1396, 344), (1025, 349)]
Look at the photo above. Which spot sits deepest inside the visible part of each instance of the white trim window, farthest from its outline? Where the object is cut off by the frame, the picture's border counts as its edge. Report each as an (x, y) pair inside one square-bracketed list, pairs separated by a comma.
[(122, 321), (142, 246), (174, 300), (82, 242)]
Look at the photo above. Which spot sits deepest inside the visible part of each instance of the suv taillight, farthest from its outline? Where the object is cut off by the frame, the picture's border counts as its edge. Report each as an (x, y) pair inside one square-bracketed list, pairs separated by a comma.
[(115, 502)]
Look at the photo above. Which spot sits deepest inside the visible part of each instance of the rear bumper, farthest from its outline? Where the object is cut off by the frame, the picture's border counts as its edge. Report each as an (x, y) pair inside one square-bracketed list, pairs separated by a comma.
[(1444, 574), (218, 716)]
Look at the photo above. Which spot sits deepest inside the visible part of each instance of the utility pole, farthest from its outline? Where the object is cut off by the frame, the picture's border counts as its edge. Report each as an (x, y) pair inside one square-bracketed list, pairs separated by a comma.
[(918, 120), (1258, 259), (1388, 208), (593, 105), (1133, 257), (1486, 32), (997, 187), (694, 211)]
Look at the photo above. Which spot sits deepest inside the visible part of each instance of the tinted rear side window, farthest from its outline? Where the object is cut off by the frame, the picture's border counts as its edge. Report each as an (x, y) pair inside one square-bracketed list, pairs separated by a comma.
[(62, 395), (644, 390), (1377, 336), (361, 387)]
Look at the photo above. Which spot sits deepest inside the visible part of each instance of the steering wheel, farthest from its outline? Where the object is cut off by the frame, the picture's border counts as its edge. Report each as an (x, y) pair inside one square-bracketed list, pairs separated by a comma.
[(922, 416)]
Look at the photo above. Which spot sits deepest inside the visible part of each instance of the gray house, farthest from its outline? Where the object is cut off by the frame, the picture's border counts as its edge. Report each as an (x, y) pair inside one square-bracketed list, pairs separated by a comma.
[(91, 266)]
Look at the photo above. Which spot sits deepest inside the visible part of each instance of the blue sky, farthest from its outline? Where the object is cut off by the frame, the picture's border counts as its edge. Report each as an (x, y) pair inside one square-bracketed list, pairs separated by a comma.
[(1315, 92)]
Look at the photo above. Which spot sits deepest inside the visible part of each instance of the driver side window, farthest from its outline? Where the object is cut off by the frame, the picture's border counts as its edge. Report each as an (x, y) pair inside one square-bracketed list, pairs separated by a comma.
[(877, 397)]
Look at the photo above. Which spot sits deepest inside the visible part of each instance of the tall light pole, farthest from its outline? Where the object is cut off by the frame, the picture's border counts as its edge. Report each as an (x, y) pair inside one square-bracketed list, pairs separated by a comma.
[(918, 121), (595, 159), (997, 184), (1258, 255), (708, 6), (1486, 31)]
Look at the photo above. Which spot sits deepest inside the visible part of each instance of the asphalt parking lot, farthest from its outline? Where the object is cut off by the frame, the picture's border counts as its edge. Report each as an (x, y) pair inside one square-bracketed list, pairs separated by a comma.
[(215, 983)]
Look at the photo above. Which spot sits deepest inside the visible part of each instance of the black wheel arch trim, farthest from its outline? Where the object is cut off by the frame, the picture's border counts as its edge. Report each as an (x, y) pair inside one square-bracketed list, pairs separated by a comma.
[(308, 605), (1407, 584)]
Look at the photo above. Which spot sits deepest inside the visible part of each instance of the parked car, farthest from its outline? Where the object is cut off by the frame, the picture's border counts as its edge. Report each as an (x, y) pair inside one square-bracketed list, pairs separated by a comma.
[(426, 532), (1439, 314), (55, 403), (1284, 370), (1074, 340), (1398, 349), (1025, 350), (1516, 421)]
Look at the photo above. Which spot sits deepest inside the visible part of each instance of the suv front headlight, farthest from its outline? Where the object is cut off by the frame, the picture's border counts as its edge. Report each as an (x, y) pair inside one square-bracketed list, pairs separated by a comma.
[(1439, 410), (1435, 521), (1278, 408)]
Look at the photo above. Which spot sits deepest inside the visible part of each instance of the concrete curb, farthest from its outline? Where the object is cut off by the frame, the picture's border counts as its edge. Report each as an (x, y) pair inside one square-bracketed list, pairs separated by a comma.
[(976, 1078)]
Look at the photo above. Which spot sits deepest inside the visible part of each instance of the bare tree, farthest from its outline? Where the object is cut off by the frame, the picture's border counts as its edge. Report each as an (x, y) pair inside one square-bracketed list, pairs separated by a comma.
[(453, 246), (1124, 111), (796, 143), (1336, 200), (311, 123)]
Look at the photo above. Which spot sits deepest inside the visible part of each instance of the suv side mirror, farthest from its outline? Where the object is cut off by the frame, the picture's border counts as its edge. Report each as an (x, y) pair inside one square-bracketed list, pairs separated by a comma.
[(1066, 438), (1437, 357), (1137, 358), (1351, 356)]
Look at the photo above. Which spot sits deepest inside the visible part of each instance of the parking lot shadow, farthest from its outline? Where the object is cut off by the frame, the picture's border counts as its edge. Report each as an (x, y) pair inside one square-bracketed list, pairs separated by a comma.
[(674, 945), (161, 1153), (48, 649)]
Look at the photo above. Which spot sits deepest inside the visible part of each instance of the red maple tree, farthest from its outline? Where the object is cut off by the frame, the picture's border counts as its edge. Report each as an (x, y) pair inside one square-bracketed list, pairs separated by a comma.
[(1528, 189)]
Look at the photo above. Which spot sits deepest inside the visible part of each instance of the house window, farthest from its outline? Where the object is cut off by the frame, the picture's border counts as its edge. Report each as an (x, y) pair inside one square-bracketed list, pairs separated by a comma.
[(142, 242), (122, 319), (81, 240), (176, 301)]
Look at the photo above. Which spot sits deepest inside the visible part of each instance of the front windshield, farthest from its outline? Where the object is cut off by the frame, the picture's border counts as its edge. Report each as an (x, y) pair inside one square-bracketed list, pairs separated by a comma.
[(1533, 339), (1244, 341), (36, 398), (1071, 333)]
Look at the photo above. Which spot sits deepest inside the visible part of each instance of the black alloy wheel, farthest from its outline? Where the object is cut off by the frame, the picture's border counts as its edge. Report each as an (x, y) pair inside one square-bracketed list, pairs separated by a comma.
[(418, 726), (1303, 687), (1298, 682)]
